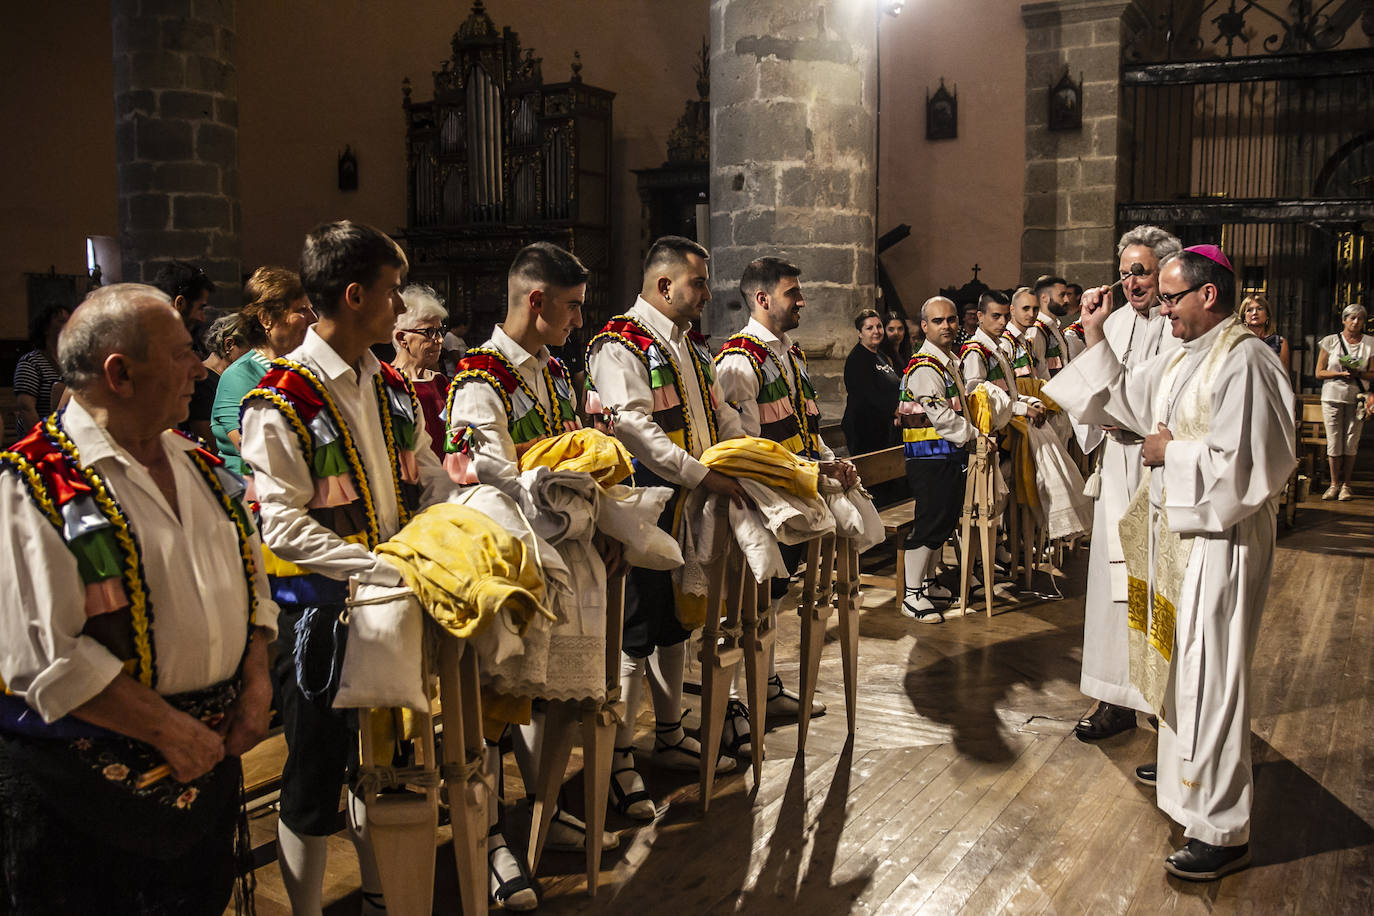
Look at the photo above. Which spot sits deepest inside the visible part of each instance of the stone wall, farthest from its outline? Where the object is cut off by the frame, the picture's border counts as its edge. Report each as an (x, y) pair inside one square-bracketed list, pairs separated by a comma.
[(793, 101), (1071, 176), (176, 136)]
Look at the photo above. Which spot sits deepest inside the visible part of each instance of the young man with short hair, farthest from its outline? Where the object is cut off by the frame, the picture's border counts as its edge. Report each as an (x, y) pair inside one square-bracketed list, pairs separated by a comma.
[(331, 399), (506, 395), (763, 375), (653, 373)]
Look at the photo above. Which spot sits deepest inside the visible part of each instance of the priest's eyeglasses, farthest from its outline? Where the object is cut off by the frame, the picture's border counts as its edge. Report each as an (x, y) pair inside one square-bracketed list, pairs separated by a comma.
[(1172, 298)]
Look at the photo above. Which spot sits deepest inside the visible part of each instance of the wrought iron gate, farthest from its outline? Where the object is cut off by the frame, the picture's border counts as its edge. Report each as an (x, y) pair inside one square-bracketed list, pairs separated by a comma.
[(1252, 124)]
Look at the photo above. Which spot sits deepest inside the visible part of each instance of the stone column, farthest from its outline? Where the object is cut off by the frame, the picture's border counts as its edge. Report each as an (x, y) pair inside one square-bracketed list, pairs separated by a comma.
[(793, 108), (176, 136), (1071, 176)]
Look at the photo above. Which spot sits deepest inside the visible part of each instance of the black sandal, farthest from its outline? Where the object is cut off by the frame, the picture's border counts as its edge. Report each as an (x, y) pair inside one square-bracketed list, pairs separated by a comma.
[(736, 746), (919, 616), (508, 888), (623, 801)]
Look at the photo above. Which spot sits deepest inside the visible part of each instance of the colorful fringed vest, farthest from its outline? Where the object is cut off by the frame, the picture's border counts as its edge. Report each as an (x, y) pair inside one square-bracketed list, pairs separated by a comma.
[(1076, 329), (919, 438), (990, 361), (75, 499), (526, 418), (1022, 364), (1054, 354), (665, 380), (342, 501), (780, 407)]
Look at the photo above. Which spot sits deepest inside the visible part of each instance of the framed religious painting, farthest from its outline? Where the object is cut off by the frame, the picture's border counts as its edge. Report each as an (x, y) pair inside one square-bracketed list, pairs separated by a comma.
[(942, 113)]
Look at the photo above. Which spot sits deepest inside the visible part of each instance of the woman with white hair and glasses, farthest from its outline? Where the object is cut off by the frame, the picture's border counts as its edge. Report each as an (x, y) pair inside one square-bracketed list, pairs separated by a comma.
[(1343, 364), (419, 341)]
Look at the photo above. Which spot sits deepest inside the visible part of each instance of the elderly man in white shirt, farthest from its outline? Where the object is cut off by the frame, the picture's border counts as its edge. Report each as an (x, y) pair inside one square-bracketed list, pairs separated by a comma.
[(133, 636), (655, 375), (332, 392)]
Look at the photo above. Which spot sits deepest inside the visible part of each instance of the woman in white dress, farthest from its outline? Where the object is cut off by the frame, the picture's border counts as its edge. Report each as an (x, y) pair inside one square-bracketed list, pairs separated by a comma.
[(1343, 365)]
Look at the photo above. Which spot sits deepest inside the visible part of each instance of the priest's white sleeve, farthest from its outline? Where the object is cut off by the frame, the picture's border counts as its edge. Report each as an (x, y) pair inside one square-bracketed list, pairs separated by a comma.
[(1212, 484), (1095, 388)]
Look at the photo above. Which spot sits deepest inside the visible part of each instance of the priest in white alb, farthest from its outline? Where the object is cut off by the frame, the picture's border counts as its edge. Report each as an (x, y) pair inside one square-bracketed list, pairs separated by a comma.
[(1198, 536)]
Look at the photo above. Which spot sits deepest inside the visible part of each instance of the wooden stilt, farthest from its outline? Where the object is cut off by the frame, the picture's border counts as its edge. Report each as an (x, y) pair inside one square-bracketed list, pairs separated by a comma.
[(402, 825), (720, 654), (560, 722), (758, 634), (1027, 544), (847, 587), (815, 614), (977, 521), (967, 521), (467, 787), (598, 733)]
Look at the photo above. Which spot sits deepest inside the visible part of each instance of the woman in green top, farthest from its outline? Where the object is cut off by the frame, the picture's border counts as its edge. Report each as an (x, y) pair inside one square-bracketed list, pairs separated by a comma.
[(276, 318)]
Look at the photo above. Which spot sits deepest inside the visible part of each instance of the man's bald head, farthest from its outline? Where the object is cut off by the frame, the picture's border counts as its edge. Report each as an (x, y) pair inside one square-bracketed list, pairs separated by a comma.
[(109, 320), (936, 304)]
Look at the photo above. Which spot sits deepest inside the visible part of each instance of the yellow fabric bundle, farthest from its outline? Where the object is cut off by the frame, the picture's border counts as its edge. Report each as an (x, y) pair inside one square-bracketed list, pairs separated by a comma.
[(1023, 462), (588, 450), (977, 410), (464, 569), (1034, 387), (765, 461)]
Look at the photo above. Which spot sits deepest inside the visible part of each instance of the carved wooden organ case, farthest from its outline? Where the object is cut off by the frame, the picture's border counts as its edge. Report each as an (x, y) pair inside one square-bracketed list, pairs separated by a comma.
[(500, 159)]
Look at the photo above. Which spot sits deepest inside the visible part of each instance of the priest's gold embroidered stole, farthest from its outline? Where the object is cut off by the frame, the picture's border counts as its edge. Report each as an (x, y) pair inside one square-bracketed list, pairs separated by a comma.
[(1148, 544)]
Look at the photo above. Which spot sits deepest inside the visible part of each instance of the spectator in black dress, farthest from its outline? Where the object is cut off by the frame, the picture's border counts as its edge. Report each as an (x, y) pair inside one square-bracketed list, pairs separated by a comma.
[(1259, 317), (871, 382), (37, 383), (897, 342)]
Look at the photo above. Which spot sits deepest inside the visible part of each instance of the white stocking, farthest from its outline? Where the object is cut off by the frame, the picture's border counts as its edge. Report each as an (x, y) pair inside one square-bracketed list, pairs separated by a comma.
[(632, 690), (301, 859), (493, 764), (665, 682), (528, 741), (917, 563)]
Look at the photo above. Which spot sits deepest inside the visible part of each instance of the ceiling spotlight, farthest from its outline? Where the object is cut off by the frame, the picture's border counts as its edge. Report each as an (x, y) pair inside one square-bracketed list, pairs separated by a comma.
[(894, 8)]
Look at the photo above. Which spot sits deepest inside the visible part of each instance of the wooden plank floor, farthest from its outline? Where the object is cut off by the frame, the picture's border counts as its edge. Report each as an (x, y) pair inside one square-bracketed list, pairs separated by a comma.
[(964, 789)]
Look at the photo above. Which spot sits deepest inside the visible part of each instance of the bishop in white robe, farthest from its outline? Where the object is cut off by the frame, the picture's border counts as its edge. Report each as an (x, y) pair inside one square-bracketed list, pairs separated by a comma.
[(1217, 422)]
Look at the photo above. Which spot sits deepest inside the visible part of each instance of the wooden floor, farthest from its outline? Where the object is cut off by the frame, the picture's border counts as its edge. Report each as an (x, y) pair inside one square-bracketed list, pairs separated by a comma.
[(964, 789)]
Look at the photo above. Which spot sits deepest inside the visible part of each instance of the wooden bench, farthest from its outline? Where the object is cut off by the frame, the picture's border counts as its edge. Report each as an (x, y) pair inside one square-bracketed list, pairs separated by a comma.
[(881, 467), (1311, 436)]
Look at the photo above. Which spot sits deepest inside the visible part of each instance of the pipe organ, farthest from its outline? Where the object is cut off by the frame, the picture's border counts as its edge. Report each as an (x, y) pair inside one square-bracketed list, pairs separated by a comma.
[(499, 159)]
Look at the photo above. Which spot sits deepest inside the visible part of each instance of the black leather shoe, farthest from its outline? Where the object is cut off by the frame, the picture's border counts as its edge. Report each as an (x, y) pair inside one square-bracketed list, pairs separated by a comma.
[(1145, 773), (1107, 720), (1199, 861)]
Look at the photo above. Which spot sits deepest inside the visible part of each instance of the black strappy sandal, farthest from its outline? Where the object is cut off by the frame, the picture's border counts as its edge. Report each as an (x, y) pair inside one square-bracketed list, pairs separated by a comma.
[(921, 616), (739, 745), (510, 892), (623, 801)]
